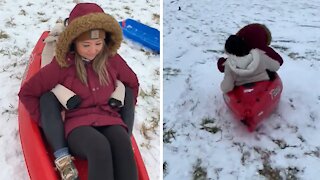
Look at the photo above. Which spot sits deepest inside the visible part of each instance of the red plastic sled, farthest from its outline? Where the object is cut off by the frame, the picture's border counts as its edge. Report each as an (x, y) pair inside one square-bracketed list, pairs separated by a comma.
[(37, 155), (253, 102)]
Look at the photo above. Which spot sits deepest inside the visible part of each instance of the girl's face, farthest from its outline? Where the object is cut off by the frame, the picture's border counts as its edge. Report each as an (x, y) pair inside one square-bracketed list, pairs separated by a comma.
[(89, 49)]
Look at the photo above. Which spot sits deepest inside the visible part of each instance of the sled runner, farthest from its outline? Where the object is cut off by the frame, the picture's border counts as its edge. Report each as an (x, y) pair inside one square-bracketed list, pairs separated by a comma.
[(39, 159), (141, 33), (252, 103)]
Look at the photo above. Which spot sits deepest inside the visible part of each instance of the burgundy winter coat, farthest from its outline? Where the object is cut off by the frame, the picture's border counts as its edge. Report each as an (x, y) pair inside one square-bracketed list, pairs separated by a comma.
[(94, 109)]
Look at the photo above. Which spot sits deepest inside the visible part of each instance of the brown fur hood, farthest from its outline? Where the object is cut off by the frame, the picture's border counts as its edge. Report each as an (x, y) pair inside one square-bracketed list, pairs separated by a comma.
[(85, 17)]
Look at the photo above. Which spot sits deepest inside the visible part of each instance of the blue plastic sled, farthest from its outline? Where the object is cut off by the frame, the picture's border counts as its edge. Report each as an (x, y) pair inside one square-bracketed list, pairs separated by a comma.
[(141, 33)]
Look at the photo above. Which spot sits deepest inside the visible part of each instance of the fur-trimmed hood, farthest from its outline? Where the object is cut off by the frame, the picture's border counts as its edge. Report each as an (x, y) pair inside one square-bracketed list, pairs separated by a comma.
[(244, 65), (85, 17)]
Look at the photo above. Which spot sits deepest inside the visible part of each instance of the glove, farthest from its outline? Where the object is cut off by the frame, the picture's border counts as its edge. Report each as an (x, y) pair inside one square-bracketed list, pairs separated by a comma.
[(220, 64), (114, 103), (73, 102)]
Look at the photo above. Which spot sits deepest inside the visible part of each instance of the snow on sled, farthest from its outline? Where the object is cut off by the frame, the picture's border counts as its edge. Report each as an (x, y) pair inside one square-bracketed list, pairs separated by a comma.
[(38, 157), (141, 33), (252, 103)]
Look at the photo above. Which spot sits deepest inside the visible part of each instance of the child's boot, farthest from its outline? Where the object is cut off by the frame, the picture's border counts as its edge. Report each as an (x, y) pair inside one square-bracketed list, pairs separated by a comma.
[(66, 168)]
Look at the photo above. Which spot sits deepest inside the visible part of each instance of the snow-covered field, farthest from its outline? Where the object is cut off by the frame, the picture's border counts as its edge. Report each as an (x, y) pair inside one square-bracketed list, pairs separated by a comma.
[(22, 23), (202, 140)]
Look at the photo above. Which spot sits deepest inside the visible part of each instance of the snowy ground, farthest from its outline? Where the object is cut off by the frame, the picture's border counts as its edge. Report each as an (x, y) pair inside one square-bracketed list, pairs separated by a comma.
[(22, 23), (201, 138)]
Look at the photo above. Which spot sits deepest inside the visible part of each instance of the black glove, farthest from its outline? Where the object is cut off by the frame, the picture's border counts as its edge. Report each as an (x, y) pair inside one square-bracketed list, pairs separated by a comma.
[(73, 102), (114, 103)]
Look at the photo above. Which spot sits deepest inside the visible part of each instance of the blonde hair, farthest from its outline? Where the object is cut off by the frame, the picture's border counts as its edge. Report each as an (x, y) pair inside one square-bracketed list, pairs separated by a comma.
[(99, 66)]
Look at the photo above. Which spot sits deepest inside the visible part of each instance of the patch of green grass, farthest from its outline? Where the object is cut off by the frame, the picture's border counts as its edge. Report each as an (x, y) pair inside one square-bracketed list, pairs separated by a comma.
[(43, 20), (142, 93), (281, 48), (156, 72), (3, 35), (312, 116), (155, 120), (244, 157), (265, 154), (18, 51), (147, 53), (144, 130), (171, 72), (293, 55), (126, 8), (270, 173), (4, 52), (290, 156), (22, 12), (10, 22), (146, 144), (154, 92), (207, 124), (156, 18), (151, 125), (165, 167), (315, 153), (207, 120), (41, 13), (282, 144), (199, 173), (213, 51), (291, 173), (168, 135)]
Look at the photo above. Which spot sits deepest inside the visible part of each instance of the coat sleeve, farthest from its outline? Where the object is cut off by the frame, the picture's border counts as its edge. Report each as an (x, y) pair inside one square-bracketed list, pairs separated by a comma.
[(44, 80), (126, 75), (273, 54), (228, 81), (270, 63)]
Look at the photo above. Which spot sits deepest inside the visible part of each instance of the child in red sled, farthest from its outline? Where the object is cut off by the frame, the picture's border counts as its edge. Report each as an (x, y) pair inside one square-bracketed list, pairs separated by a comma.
[(245, 65), (86, 63), (256, 36)]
